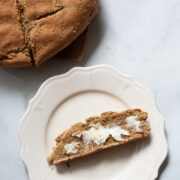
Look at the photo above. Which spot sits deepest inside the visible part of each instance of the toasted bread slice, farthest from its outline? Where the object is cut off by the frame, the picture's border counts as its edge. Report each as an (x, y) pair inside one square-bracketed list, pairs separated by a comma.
[(98, 133)]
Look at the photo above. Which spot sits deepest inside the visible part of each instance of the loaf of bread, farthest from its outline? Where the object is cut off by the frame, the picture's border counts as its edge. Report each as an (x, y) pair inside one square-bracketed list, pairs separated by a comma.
[(33, 31), (98, 133)]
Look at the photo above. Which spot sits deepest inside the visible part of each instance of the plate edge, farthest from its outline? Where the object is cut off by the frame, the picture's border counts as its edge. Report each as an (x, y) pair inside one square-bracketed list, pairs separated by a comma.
[(85, 69)]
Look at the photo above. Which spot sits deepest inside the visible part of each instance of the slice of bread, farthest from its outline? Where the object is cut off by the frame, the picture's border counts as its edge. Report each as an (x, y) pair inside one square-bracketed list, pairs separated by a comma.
[(98, 133)]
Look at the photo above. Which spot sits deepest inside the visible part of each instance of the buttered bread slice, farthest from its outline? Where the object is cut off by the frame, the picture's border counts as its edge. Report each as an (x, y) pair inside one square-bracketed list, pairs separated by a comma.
[(100, 132)]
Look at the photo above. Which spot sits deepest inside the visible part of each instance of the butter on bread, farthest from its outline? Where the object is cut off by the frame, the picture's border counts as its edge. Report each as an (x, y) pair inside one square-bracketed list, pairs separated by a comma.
[(100, 132)]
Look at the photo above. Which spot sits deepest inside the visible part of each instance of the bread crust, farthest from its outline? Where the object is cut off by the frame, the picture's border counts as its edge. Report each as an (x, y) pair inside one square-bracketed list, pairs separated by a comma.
[(63, 27), (141, 114), (13, 50), (16, 60), (42, 28)]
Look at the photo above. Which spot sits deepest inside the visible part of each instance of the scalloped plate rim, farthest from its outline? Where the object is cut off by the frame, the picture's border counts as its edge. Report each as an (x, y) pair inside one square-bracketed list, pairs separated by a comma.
[(50, 80)]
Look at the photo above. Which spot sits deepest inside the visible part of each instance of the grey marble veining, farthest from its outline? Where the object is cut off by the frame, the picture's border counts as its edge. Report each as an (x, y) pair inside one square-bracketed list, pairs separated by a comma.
[(138, 37)]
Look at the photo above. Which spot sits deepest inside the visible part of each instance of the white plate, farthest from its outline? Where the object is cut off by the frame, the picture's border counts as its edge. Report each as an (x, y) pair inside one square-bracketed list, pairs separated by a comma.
[(72, 97)]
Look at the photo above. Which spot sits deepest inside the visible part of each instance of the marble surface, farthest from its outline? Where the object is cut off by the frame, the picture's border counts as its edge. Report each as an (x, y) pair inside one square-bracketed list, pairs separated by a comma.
[(138, 37)]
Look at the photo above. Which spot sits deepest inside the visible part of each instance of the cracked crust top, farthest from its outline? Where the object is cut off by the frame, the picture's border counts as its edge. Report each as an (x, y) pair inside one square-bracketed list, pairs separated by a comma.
[(39, 29), (13, 51), (35, 9)]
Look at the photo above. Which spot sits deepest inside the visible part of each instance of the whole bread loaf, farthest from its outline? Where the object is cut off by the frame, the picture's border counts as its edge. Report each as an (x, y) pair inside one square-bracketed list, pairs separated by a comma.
[(33, 31), (98, 133)]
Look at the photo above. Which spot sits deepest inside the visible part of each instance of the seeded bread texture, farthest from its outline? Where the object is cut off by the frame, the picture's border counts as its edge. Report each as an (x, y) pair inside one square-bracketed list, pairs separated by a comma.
[(33, 31), (59, 154)]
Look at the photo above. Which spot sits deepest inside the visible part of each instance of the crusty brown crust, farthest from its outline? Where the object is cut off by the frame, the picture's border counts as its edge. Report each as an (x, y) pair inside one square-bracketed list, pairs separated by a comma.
[(104, 146), (35, 9), (18, 60), (42, 28), (52, 34), (13, 50)]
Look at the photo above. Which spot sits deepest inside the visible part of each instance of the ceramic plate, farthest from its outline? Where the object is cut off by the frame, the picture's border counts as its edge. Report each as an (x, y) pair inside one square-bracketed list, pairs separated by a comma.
[(72, 97)]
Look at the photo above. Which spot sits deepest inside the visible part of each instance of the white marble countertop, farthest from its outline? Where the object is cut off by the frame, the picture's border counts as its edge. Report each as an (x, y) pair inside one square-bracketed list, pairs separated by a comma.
[(140, 38)]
